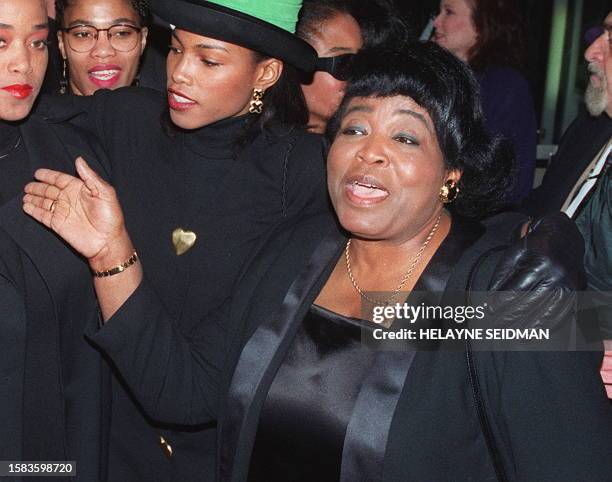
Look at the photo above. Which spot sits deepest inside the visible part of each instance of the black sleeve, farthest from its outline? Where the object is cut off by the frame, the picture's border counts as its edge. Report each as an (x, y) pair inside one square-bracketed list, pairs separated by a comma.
[(117, 118), (535, 285), (176, 377), (549, 414), (181, 377), (12, 346), (306, 184)]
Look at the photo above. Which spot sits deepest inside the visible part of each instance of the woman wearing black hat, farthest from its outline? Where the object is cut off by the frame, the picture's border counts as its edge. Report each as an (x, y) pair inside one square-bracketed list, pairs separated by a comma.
[(204, 173)]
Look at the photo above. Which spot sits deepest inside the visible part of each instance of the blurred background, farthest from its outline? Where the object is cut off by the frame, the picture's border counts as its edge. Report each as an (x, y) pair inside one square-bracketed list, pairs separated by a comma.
[(556, 67)]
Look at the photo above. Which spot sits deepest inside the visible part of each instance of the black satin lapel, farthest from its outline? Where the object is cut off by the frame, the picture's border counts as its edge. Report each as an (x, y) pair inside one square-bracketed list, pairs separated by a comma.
[(367, 433), (261, 357)]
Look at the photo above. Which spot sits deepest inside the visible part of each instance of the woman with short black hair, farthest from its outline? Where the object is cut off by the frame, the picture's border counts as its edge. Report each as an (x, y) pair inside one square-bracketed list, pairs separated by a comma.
[(292, 369)]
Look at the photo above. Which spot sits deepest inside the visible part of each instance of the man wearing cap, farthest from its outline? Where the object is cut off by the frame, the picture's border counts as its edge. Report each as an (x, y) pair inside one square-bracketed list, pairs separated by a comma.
[(578, 183)]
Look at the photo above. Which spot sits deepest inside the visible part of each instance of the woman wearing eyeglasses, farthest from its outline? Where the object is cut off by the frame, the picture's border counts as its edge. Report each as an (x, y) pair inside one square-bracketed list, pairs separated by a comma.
[(101, 42)]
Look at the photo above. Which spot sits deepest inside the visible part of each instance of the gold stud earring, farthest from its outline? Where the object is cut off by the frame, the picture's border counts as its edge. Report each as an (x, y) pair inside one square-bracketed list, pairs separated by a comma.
[(256, 106), (448, 192)]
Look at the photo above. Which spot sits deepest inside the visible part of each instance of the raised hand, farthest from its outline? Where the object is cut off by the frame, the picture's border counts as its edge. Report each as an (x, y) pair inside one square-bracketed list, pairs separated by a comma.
[(84, 211)]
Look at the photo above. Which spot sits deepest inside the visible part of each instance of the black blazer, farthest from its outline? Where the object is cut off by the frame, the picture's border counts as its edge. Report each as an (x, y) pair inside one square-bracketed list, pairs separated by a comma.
[(427, 429), (579, 145), (54, 381)]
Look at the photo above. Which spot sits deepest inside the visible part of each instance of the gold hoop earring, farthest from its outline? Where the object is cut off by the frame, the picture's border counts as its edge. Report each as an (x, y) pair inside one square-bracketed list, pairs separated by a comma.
[(256, 105), (64, 80), (448, 192)]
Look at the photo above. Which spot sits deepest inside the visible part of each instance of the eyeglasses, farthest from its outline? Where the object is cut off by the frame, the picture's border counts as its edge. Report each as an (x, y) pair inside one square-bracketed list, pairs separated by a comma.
[(338, 67), (83, 38)]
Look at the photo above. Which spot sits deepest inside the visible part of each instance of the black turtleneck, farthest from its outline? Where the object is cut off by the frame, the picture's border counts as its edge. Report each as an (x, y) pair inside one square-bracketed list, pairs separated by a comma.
[(14, 162), (208, 154)]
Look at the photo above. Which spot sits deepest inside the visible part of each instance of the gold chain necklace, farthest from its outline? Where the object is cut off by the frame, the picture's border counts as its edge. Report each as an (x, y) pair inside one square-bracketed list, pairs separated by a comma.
[(406, 277)]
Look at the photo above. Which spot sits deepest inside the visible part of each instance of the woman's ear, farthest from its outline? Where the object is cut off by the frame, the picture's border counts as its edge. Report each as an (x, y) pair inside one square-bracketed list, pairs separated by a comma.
[(454, 175), (268, 73), (60, 44), (143, 39)]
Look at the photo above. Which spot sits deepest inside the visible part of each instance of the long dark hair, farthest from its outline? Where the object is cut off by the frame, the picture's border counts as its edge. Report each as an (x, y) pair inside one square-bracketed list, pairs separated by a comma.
[(446, 87), (500, 35)]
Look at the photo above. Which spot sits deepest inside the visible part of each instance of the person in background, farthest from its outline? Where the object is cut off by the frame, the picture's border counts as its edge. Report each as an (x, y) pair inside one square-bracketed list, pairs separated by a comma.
[(101, 43), (488, 35), (333, 32), (337, 29), (578, 183), (53, 77), (51, 409)]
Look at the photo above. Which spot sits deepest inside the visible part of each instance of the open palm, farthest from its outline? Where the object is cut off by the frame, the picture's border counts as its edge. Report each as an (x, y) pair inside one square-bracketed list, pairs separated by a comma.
[(83, 210)]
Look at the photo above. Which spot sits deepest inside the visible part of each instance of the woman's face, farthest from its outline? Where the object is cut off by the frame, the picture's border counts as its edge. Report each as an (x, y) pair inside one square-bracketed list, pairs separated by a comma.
[(455, 30), (335, 36), (104, 64), (385, 169), (210, 80), (23, 55)]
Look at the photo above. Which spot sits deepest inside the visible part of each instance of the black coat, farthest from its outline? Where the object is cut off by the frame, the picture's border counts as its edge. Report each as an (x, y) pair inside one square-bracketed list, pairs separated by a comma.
[(579, 145), (275, 178), (548, 411), (53, 393)]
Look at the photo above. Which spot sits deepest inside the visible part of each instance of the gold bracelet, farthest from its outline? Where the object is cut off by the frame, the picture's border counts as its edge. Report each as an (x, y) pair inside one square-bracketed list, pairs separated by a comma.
[(117, 269)]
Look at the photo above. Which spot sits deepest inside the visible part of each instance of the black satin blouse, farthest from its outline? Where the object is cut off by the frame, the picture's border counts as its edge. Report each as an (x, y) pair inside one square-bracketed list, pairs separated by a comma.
[(304, 420)]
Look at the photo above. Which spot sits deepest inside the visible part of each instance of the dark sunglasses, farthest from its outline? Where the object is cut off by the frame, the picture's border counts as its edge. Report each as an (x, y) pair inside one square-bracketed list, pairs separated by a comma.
[(338, 67)]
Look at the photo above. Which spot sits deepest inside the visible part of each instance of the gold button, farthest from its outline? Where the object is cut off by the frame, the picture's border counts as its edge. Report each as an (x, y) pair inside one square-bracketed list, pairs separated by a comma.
[(166, 447)]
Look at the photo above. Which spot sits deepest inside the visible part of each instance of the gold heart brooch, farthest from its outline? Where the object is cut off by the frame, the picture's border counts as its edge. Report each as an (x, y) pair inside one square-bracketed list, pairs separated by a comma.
[(183, 240)]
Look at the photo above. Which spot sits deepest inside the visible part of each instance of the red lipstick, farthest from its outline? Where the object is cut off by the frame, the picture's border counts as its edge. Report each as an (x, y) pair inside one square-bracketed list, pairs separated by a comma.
[(19, 91), (179, 101)]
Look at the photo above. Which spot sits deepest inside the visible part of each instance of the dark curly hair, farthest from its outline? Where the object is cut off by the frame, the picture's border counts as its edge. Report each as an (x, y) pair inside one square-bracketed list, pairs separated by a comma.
[(141, 7), (445, 86), (500, 35)]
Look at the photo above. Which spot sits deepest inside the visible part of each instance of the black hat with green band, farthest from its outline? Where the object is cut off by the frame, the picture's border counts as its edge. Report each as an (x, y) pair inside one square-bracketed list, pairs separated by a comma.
[(266, 26)]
